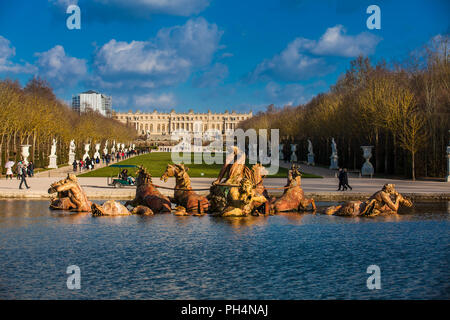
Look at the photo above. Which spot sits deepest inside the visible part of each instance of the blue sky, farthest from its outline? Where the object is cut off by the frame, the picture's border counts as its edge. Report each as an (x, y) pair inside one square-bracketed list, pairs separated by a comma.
[(206, 54)]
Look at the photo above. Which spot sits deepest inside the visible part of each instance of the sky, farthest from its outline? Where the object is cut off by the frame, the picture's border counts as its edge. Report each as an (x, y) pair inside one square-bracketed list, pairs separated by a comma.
[(206, 54)]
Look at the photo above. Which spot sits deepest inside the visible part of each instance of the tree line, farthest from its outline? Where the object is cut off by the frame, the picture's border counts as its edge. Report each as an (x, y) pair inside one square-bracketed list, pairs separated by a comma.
[(33, 115), (403, 110)]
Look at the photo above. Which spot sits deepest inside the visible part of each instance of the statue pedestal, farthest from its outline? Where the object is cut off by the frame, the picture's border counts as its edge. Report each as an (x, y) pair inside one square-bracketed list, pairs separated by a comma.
[(367, 168), (71, 158), (97, 155), (334, 162), (311, 159), (86, 155), (52, 164)]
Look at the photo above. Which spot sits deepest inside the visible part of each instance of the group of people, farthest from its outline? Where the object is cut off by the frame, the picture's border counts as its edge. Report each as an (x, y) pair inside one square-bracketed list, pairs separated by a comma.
[(87, 164), (343, 180), (23, 170)]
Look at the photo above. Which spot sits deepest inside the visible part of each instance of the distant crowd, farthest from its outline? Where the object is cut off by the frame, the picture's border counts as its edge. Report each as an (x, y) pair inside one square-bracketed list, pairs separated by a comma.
[(90, 163), (22, 171)]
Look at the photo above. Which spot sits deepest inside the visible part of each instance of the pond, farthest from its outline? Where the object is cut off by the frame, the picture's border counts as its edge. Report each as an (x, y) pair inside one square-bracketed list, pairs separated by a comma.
[(289, 256)]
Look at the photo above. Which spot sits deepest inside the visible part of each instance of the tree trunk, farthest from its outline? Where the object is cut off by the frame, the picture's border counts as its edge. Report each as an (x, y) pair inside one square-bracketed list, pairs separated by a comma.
[(15, 145), (386, 153), (34, 148), (377, 152), (394, 164), (8, 139), (413, 166)]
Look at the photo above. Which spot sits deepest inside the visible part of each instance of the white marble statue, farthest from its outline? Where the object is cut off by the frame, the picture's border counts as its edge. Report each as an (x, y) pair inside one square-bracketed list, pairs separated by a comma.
[(53, 157), (113, 149), (87, 147), (105, 149), (310, 153), (25, 153), (334, 156), (71, 152), (53, 150), (97, 151)]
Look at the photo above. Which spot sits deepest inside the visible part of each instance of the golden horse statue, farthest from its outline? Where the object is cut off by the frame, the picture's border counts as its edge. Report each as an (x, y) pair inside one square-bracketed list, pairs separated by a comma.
[(184, 196), (293, 198), (148, 195)]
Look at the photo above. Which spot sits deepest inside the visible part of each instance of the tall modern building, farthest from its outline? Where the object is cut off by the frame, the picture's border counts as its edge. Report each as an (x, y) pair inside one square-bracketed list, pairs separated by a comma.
[(94, 101)]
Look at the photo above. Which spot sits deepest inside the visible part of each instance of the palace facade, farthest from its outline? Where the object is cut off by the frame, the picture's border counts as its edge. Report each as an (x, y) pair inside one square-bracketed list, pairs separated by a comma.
[(157, 123)]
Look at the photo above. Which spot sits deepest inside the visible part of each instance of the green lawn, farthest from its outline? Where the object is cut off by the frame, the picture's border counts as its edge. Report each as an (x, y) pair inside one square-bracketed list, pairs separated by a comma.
[(156, 163)]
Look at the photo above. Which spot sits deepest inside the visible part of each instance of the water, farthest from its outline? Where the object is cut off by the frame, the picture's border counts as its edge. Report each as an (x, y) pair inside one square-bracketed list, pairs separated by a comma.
[(292, 256)]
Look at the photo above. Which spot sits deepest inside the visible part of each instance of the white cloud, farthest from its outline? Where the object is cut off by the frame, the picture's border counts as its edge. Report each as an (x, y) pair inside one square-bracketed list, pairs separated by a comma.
[(168, 59), (152, 100), (197, 40), (303, 58), (335, 42), (7, 52), (117, 9), (290, 94), (290, 65), (59, 69), (211, 77)]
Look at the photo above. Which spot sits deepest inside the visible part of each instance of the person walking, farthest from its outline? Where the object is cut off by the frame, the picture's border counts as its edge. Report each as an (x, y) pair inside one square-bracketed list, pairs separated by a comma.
[(345, 180), (74, 165), (340, 177), (21, 169), (30, 169), (8, 167)]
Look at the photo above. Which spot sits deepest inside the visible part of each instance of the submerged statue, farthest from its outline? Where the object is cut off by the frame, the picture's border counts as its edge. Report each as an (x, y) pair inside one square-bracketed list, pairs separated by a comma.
[(385, 201), (293, 198), (70, 195), (147, 194), (110, 208), (188, 199), (114, 208)]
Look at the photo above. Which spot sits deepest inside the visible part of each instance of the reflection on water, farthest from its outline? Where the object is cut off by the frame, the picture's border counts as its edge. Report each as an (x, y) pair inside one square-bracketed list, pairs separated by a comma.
[(288, 256)]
